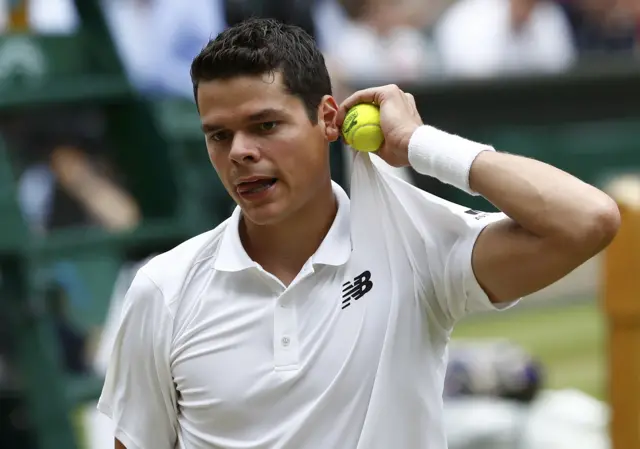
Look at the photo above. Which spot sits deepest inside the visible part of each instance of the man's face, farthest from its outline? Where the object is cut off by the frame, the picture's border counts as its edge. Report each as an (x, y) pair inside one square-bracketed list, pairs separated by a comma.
[(270, 157)]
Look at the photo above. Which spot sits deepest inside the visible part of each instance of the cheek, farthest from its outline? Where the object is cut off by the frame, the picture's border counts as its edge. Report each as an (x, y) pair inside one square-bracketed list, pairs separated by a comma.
[(219, 163), (217, 158), (211, 153), (306, 163), (299, 156)]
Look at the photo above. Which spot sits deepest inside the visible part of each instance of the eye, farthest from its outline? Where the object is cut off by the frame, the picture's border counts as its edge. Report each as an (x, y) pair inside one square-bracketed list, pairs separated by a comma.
[(267, 126), (219, 136)]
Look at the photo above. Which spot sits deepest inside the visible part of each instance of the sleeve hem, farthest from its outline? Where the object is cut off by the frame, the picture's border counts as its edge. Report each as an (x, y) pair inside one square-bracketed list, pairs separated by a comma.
[(105, 409), (118, 432), (476, 298), (122, 436)]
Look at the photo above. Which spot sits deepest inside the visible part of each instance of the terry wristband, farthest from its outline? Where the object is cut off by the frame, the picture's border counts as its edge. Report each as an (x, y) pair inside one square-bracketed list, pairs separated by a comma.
[(444, 156)]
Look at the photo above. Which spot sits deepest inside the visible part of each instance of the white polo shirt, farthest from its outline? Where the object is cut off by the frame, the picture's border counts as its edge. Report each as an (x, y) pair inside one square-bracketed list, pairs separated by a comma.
[(214, 352)]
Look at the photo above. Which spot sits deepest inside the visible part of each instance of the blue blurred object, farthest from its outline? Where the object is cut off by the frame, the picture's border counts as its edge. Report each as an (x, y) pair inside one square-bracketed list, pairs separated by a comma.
[(492, 368)]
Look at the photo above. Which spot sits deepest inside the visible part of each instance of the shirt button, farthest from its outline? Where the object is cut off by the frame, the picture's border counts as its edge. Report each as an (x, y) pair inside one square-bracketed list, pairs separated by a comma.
[(285, 341)]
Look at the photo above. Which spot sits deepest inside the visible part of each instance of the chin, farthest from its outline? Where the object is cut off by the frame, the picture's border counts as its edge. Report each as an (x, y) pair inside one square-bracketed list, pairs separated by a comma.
[(269, 214)]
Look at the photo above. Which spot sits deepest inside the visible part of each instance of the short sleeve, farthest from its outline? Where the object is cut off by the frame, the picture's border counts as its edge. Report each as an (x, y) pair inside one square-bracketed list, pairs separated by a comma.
[(439, 237), (138, 393), (456, 287)]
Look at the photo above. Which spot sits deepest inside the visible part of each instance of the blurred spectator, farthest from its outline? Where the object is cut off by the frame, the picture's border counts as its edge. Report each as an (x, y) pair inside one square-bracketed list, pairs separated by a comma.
[(174, 32), (130, 23), (377, 40), (66, 175), (60, 152), (494, 37), (159, 38), (604, 26)]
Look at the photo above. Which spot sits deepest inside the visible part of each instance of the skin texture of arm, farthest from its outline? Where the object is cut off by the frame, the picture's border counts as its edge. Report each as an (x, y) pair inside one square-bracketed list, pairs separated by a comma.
[(557, 222)]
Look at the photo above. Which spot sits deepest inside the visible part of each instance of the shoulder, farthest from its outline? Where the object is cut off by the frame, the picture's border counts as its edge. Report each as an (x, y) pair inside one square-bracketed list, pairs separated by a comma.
[(437, 220), (435, 211), (171, 271)]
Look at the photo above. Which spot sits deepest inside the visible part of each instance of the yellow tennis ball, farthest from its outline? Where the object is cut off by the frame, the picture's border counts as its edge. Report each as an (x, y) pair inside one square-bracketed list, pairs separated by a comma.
[(361, 127)]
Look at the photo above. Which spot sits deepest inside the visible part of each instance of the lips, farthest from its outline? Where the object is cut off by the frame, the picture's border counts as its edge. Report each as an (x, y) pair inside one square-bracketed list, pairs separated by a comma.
[(254, 186)]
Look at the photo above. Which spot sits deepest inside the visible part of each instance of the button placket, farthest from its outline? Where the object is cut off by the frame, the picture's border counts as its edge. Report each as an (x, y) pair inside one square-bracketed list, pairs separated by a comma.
[(285, 335)]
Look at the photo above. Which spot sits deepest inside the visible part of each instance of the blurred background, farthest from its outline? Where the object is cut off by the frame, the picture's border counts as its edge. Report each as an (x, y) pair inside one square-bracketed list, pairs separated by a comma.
[(102, 165)]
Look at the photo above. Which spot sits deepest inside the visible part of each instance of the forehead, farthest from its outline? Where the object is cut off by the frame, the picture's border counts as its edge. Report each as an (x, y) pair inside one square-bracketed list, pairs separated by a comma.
[(223, 99)]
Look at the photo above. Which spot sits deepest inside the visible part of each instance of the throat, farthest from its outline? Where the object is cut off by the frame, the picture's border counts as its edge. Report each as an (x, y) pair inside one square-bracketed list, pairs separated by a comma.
[(282, 249), (285, 274), (281, 253)]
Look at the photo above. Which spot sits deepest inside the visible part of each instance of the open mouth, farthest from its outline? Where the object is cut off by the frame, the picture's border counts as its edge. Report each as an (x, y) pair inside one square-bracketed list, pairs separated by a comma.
[(254, 187)]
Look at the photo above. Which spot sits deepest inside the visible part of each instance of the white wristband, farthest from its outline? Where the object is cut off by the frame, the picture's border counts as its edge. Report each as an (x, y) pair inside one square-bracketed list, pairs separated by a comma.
[(444, 156)]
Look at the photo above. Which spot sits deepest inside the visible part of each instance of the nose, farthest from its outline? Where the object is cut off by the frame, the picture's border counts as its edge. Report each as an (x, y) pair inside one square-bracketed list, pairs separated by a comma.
[(244, 149)]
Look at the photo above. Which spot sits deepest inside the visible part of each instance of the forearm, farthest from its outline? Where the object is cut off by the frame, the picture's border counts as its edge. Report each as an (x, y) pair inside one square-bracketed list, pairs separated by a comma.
[(542, 200), (545, 201)]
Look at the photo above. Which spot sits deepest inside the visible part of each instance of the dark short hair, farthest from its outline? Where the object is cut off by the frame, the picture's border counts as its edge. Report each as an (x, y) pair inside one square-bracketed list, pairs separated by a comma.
[(260, 46)]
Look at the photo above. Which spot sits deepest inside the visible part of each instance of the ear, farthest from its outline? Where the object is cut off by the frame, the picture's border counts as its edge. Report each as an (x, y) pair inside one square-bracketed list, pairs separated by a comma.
[(327, 117)]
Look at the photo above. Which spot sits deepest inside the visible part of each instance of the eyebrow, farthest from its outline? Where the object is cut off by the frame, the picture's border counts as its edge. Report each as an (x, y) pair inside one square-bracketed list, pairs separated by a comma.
[(255, 117), (265, 114)]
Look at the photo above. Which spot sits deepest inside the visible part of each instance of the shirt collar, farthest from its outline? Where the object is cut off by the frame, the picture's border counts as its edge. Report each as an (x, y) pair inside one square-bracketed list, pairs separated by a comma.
[(334, 250)]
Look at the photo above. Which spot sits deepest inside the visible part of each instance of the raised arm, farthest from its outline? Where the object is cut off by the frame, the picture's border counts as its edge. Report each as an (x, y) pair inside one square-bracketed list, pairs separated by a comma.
[(555, 221)]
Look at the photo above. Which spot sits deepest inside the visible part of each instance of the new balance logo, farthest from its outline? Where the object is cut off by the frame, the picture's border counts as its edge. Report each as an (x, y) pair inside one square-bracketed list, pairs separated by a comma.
[(476, 214), (355, 290)]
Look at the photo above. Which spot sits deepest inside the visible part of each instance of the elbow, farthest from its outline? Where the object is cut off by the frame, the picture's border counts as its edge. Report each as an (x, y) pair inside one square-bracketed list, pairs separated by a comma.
[(600, 227)]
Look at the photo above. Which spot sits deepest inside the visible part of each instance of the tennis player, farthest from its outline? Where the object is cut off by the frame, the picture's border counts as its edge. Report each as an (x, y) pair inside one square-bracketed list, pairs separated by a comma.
[(285, 327)]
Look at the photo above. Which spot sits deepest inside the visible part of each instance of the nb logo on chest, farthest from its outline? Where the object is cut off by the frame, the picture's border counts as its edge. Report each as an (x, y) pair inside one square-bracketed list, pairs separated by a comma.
[(356, 289)]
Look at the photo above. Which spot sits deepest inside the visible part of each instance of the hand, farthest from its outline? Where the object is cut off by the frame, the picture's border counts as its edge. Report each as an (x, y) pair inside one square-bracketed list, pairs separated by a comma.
[(399, 118)]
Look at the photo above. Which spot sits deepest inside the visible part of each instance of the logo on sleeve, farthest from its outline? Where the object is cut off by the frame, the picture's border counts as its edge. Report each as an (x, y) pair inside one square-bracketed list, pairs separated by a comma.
[(476, 214), (356, 289)]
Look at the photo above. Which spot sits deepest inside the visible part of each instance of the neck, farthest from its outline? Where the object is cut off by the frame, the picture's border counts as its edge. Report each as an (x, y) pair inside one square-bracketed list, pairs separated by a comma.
[(283, 248)]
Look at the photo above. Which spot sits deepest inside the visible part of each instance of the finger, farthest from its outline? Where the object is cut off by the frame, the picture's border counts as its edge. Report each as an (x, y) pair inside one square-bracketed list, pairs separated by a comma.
[(374, 95), (371, 95)]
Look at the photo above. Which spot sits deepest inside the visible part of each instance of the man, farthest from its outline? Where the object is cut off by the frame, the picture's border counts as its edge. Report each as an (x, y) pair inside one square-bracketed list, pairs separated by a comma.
[(484, 38), (281, 327), (603, 27)]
